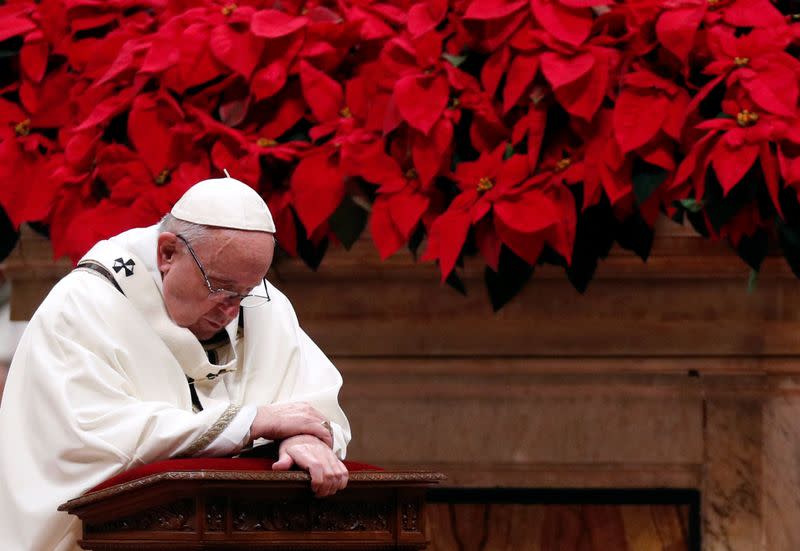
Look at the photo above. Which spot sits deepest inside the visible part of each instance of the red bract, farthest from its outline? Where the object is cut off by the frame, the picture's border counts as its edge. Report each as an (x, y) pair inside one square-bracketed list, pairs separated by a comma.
[(606, 167), (580, 77), (423, 79), (319, 182), (663, 101), (789, 156), (26, 154), (376, 20), (759, 64), (157, 130), (401, 202), (568, 20), (15, 19), (732, 145), (678, 23), (492, 185), (461, 121)]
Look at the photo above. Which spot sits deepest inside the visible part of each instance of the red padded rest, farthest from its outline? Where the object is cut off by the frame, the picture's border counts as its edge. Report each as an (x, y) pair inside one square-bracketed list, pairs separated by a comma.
[(208, 464)]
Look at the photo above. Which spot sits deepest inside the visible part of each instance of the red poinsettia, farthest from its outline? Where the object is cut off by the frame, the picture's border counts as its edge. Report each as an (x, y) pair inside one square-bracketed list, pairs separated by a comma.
[(26, 153), (318, 183), (759, 63), (403, 198), (519, 209), (732, 144), (679, 21), (112, 109), (662, 100), (423, 81)]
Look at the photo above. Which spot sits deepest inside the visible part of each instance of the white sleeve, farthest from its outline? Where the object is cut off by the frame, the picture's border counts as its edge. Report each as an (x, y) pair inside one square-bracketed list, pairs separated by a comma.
[(235, 436)]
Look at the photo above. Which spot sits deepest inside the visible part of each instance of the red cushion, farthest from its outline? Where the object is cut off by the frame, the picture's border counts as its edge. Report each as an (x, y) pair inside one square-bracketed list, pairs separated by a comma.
[(208, 464)]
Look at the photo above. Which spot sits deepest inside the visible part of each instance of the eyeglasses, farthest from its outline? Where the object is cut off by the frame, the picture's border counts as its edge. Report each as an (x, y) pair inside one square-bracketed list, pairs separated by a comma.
[(223, 295)]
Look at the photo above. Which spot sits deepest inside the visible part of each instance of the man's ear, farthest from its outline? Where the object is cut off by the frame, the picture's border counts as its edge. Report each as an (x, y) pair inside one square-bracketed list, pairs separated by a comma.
[(166, 248)]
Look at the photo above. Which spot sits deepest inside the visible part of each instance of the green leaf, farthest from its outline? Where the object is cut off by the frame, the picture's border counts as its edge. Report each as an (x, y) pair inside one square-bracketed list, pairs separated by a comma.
[(512, 274), (455, 282), (636, 235), (721, 208), (752, 281), (594, 237), (8, 235), (646, 179), (455, 60), (790, 243), (753, 249), (348, 221), (416, 240), (311, 253), (692, 205), (698, 222), (508, 152)]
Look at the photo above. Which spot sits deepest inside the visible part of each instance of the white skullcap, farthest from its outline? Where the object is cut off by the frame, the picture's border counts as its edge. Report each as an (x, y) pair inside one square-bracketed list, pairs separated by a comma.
[(226, 203)]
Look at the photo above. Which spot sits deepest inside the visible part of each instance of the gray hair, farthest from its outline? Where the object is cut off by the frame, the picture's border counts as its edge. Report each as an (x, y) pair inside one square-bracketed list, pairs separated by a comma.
[(189, 230)]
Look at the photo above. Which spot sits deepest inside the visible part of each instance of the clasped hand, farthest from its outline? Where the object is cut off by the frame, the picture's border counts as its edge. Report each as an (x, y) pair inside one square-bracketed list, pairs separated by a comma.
[(305, 442)]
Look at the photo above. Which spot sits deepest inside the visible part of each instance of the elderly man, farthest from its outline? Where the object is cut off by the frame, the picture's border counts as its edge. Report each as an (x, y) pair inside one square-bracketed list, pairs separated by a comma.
[(165, 341)]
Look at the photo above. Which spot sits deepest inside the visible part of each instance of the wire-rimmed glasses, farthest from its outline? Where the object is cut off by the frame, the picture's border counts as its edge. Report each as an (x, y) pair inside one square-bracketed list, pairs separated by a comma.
[(219, 294)]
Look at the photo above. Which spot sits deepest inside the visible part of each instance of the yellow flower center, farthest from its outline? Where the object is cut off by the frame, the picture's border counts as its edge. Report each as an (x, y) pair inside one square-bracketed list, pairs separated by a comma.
[(23, 128), (411, 174), (746, 118), (229, 9), (162, 177), (455, 103), (563, 164), (265, 142), (304, 11), (741, 61), (713, 3), (485, 184), (345, 112)]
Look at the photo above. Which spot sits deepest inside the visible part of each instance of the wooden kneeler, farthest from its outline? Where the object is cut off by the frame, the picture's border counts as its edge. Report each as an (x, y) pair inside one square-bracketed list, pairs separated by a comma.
[(240, 503)]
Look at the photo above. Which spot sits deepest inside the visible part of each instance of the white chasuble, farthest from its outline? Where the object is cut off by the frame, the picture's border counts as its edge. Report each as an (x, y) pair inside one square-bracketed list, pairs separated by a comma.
[(99, 385)]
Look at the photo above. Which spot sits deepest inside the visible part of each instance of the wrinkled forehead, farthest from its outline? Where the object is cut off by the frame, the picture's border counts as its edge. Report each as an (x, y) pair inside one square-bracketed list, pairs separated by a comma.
[(234, 254)]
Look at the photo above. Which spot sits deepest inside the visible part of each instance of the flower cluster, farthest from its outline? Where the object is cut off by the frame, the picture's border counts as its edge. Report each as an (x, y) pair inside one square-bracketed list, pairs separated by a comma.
[(523, 131)]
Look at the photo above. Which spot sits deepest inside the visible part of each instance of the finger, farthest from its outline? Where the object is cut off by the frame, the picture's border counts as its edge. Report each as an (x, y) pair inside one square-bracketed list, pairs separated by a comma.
[(335, 473), (330, 483), (318, 485), (339, 476), (344, 476), (284, 462)]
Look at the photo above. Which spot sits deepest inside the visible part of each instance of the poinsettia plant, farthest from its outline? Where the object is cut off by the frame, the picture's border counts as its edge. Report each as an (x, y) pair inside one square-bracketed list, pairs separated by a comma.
[(521, 131)]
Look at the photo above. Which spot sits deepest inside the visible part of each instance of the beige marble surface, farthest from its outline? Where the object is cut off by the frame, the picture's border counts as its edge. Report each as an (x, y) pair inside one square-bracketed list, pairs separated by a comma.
[(731, 488), (781, 466)]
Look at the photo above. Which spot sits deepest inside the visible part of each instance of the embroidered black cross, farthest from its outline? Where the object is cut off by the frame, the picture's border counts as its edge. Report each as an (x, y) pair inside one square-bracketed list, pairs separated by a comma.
[(128, 265)]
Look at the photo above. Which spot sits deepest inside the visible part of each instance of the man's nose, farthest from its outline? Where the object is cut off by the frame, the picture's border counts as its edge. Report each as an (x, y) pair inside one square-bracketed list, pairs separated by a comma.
[(229, 307)]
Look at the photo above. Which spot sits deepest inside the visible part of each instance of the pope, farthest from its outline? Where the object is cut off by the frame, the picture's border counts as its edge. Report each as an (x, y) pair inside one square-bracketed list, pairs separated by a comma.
[(166, 341)]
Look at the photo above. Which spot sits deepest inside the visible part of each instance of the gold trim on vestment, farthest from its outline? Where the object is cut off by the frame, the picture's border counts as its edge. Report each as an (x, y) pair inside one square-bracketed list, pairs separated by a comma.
[(211, 434)]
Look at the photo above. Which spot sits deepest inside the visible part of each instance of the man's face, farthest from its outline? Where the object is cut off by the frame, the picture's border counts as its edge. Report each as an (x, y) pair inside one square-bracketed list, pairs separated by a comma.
[(233, 259)]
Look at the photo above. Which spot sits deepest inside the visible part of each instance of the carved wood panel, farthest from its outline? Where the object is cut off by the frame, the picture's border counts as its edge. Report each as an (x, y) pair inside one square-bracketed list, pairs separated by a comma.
[(175, 517)]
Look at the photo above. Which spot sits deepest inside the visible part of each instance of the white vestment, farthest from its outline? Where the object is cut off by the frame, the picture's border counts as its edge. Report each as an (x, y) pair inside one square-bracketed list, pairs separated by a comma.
[(98, 385)]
